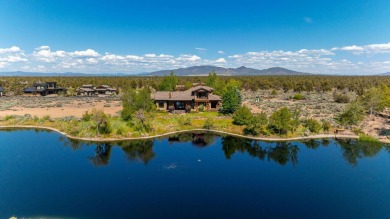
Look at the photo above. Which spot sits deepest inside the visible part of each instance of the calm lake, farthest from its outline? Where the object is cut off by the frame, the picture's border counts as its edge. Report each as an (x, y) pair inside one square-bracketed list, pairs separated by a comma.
[(45, 175)]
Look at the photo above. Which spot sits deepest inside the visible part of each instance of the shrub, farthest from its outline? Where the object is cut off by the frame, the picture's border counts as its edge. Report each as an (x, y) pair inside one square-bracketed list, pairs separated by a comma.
[(182, 120), (352, 115), (86, 116), (281, 120), (313, 125), (326, 125), (340, 98), (242, 116), (257, 125), (208, 124), (188, 108), (201, 108), (298, 97)]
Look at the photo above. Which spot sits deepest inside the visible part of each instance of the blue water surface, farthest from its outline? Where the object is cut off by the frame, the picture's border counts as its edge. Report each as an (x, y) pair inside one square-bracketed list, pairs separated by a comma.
[(192, 175)]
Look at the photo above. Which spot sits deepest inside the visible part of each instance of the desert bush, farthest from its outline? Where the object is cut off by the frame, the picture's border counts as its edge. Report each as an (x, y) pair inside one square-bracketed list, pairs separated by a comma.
[(298, 97), (340, 97), (313, 125), (352, 115), (326, 125), (242, 116)]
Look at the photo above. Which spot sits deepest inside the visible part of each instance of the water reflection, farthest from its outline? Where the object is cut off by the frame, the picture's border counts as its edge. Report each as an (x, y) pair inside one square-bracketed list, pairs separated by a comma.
[(138, 150), (280, 152), (353, 150), (198, 139), (102, 154)]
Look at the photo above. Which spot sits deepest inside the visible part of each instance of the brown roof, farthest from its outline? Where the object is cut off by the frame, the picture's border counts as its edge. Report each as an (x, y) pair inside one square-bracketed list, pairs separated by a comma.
[(184, 95), (214, 97), (200, 87), (168, 95)]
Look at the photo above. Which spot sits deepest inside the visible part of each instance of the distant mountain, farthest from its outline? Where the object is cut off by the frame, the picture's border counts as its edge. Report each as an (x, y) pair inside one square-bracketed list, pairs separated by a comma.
[(205, 69), (65, 74), (385, 74)]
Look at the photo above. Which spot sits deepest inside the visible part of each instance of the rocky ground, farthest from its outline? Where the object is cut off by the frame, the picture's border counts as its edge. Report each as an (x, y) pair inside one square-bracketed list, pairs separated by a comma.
[(57, 106)]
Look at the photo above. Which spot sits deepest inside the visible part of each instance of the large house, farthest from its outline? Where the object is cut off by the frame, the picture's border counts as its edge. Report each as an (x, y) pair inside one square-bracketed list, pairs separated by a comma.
[(44, 89), (89, 90), (194, 97)]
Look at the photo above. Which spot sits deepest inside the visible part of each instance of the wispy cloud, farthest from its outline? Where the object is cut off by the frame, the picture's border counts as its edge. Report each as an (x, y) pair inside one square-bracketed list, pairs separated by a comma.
[(221, 52), (200, 49)]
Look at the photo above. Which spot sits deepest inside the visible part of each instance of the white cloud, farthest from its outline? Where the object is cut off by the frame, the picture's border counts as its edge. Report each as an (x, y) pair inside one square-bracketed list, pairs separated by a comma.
[(221, 52), (220, 60), (13, 49), (85, 53), (369, 49), (200, 49), (192, 58), (91, 61), (11, 55)]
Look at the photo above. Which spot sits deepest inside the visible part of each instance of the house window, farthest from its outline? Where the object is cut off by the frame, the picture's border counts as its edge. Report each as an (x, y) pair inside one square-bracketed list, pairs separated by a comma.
[(160, 104)]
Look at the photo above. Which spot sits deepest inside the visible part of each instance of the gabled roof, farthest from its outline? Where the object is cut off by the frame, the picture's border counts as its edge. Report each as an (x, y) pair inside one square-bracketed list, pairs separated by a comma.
[(201, 87)]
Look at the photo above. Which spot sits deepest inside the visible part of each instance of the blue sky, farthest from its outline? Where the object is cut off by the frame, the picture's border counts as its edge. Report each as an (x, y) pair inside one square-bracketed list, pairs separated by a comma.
[(338, 37)]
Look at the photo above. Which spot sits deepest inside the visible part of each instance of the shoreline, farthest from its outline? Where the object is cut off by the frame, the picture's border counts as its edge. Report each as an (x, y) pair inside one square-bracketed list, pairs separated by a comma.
[(319, 136)]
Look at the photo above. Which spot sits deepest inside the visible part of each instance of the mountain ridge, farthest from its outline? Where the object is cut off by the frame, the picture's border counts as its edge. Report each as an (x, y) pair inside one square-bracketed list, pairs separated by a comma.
[(240, 71)]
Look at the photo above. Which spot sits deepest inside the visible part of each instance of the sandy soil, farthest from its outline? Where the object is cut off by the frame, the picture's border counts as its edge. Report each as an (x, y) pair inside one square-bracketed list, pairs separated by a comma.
[(57, 107)]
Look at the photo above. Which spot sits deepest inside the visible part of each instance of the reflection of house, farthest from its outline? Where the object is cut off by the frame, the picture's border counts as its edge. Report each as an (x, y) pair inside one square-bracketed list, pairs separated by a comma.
[(194, 97), (44, 89), (1, 91), (88, 90)]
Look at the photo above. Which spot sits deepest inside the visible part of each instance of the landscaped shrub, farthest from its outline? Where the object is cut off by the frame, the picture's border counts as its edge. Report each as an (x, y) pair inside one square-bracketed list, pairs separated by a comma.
[(183, 120), (201, 108), (242, 116), (188, 108), (209, 123)]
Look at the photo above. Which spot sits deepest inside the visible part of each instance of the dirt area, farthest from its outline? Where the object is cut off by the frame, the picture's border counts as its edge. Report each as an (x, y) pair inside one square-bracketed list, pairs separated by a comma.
[(316, 106), (56, 106)]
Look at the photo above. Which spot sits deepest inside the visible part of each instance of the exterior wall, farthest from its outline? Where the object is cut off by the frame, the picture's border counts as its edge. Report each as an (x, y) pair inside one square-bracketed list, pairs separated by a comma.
[(165, 105)]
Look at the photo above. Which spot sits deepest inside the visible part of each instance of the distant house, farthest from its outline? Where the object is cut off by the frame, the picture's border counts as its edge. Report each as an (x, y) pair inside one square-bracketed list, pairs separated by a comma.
[(90, 90), (105, 89), (1, 91), (194, 97), (44, 89)]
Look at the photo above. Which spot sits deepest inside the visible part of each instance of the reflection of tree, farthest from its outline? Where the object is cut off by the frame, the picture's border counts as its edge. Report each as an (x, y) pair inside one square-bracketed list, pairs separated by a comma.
[(198, 139), (73, 143), (138, 150), (354, 149), (312, 143), (102, 154), (282, 152)]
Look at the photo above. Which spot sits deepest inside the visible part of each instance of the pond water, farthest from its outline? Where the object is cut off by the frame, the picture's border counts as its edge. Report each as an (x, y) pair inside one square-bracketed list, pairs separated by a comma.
[(44, 175)]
